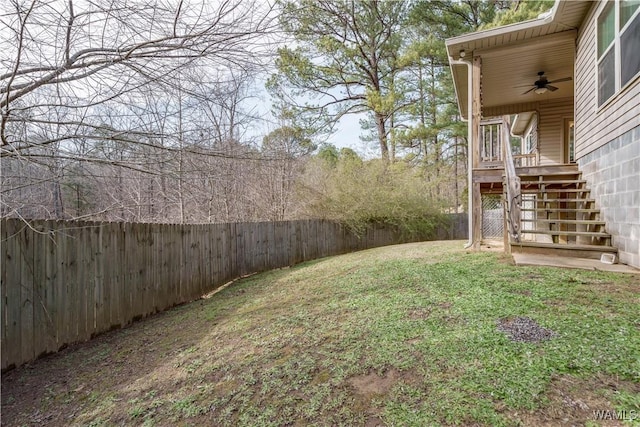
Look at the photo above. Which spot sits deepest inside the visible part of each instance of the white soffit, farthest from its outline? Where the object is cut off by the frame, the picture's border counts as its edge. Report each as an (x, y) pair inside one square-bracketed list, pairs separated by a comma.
[(512, 55), (521, 123), (507, 74)]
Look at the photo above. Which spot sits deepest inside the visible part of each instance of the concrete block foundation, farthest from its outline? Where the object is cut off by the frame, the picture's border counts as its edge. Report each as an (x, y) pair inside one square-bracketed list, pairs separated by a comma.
[(612, 173)]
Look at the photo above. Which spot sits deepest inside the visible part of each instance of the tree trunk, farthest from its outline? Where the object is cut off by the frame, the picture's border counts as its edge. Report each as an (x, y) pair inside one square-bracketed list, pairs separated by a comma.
[(382, 136)]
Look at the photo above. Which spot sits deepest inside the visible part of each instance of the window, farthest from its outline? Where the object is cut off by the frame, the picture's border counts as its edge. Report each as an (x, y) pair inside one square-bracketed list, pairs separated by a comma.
[(531, 138), (618, 35), (528, 144), (629, 40), (569, 141)]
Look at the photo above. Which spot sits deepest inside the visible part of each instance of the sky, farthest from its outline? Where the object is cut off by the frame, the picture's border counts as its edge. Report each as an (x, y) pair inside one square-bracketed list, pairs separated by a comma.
[(347, 132), (348, 135)]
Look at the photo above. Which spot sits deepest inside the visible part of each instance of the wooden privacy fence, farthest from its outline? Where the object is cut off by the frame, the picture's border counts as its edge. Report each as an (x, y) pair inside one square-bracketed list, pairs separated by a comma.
[(64, 282)]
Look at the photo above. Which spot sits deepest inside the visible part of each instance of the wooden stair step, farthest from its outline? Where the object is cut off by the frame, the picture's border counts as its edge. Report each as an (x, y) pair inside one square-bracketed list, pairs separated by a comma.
[(565, 221), (555, 200), (561, 175), (561, 210), (564, 249), (555, 190), (569, 233), (554, 182), (547, 171), (580, 247)]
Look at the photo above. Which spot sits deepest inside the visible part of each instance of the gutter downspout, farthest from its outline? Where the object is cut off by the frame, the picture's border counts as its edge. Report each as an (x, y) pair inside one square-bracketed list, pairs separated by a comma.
[(469, 141)]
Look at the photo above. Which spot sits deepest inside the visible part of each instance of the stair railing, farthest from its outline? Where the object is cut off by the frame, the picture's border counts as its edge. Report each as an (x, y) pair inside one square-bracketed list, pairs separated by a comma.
[(513, 200), (524, 160)]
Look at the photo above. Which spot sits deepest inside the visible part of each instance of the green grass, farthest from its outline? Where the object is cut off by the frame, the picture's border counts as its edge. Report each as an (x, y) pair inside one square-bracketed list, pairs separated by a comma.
[(401, 335)]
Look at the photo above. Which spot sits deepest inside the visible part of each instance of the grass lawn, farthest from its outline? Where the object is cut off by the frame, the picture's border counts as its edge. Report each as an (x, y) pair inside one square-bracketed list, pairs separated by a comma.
[(402, 335)]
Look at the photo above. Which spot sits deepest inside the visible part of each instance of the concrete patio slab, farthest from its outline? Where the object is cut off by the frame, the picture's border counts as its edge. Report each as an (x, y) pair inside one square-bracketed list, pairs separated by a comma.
[(567, 262)]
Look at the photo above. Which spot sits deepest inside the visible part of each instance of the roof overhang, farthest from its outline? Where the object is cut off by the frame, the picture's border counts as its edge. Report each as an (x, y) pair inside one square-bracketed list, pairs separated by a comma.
[(512, 55), (521, 123)]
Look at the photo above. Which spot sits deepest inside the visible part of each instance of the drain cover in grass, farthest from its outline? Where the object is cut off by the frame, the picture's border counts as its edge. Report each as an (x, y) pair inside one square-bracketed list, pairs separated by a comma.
[(524, 329)]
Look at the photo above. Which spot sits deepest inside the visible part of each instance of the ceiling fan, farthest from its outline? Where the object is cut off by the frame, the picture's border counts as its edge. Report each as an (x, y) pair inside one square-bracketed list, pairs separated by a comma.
[(542, 85)]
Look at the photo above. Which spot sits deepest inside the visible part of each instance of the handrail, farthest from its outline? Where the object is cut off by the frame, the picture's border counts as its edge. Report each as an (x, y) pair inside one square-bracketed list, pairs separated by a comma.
[(523, 160), (490, 144), (512, 184)]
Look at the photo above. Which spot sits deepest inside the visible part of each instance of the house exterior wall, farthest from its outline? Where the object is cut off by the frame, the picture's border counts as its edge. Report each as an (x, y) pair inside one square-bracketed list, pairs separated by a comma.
[(607, 145), (597, 126), (612, 172), (552, 115)]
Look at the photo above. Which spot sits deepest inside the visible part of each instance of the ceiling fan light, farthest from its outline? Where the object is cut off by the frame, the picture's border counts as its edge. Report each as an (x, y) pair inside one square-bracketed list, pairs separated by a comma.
[(541, 90)]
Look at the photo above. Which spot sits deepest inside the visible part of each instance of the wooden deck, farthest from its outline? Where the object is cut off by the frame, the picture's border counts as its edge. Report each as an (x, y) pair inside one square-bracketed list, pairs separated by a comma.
[(490, 179)]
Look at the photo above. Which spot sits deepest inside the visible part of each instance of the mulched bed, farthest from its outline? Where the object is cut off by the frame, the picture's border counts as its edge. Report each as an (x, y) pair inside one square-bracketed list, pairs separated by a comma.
[(524, 329)]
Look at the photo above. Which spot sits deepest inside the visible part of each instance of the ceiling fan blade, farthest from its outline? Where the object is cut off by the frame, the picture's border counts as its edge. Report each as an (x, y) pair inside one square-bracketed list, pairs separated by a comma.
[(551, 88), (565, 79), (514, 87), (533, 88)]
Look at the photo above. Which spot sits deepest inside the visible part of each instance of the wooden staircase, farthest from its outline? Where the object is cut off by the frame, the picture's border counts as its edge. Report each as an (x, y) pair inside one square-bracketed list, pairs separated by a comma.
[(558, 216)]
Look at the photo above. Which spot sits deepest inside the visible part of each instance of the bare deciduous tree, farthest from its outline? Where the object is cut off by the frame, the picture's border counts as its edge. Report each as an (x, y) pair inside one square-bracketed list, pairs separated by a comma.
[(64, 59), (115, 110)]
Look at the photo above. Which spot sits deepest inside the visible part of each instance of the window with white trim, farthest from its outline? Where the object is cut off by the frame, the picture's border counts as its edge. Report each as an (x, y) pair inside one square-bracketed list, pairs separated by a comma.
[(528, 144), (618, 34)]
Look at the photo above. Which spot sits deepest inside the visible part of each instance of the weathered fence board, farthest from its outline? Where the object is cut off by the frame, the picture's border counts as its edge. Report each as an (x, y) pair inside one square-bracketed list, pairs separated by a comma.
[(64, 282), (51, 288), (12, 316)]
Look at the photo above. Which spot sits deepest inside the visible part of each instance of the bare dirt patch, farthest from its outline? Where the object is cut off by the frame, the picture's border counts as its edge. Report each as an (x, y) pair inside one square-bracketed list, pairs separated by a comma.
[(573, 401), (372, 383), (367, 388), (414, 341), (419, 313), (373, 422)]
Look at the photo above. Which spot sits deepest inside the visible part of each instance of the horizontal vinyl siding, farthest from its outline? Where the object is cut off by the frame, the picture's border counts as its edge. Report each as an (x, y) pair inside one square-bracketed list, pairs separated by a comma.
[(551, 117), (585, 74), (595, 127), (509, 109)]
